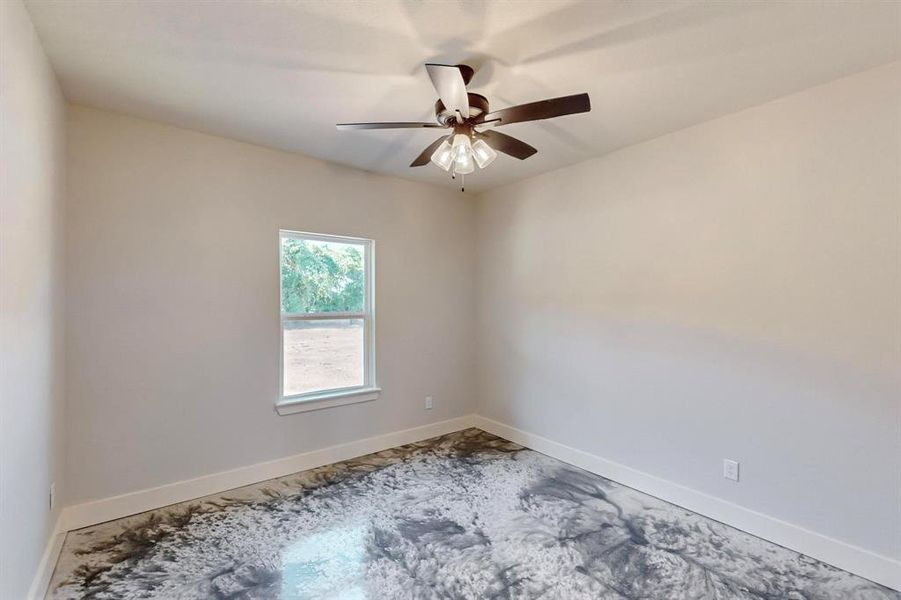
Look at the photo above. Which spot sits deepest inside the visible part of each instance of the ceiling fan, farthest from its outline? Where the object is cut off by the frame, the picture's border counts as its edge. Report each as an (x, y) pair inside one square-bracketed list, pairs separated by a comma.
[(465, 112)]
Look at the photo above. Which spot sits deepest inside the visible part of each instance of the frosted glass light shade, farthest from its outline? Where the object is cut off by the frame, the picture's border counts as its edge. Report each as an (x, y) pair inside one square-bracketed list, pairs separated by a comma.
[(444, 155), (483, 153), (464, 164), (462, 145), (462, 151)]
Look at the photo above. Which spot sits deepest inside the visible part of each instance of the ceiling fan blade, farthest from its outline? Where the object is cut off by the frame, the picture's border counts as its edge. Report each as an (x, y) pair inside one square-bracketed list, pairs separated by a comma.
[(508, 145), (426, 156), (543, 109), (451, 88), (398, 125)]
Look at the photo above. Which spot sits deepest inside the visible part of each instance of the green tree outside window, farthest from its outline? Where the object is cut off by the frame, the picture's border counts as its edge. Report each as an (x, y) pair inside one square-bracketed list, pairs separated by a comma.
[(321, 277)]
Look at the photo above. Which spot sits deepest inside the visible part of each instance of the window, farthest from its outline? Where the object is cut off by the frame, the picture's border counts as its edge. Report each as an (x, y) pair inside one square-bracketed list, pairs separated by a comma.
[(327, 341)]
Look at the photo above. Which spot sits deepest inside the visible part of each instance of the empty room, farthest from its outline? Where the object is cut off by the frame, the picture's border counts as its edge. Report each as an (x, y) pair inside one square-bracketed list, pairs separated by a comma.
[(450, 299)]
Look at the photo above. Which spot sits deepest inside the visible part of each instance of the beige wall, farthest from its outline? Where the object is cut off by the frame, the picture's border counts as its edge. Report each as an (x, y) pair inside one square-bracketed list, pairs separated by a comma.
[(32, 114), (729, 290), (173, 303)]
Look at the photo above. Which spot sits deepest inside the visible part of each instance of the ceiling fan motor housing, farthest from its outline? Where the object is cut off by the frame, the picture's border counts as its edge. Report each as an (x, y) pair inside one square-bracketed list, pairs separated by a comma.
[(478, 104)]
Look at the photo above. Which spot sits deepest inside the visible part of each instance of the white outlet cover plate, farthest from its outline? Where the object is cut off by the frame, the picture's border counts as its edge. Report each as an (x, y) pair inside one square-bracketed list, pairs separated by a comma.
[(730, 469)]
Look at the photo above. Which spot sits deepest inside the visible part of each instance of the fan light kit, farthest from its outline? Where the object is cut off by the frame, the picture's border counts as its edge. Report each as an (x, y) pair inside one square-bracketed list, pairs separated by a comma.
[(467, 147)]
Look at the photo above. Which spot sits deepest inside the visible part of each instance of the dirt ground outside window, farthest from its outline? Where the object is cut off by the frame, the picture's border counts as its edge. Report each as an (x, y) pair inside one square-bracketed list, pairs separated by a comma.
[(323, 355)]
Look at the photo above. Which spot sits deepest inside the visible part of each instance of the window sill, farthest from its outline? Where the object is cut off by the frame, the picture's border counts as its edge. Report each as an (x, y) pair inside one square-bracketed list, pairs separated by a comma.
[(289, 406)]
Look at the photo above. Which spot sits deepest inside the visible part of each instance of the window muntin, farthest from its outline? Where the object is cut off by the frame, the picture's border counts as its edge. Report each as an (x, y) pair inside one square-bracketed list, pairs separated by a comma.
[(326, 315)]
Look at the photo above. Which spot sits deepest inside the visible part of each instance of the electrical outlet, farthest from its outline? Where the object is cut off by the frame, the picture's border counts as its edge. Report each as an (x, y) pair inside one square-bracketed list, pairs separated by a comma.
[(52, 495), (730, 469), (428, 403)]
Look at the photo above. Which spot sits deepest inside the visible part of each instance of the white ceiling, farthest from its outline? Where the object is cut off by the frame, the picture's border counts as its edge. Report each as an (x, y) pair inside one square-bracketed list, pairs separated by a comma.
[(281, 74)]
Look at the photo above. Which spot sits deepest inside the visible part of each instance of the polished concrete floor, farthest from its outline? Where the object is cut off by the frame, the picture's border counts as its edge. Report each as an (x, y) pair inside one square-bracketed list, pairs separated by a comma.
[(467, 515)]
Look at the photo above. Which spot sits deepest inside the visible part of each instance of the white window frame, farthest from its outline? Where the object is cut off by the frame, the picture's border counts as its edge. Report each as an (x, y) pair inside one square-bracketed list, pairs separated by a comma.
[(319, 399)]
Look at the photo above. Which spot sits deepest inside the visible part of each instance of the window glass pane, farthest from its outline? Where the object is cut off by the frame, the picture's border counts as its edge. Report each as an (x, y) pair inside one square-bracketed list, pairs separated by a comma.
[(321, 276), (322, 355)]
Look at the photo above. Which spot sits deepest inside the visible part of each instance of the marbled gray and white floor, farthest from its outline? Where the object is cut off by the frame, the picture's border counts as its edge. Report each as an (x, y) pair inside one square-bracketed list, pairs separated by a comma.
[(466, 515)]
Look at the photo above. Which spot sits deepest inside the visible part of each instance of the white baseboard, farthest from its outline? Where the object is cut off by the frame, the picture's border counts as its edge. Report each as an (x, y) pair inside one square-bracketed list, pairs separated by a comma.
[(107, 509), (881, 569), (48, 561)]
